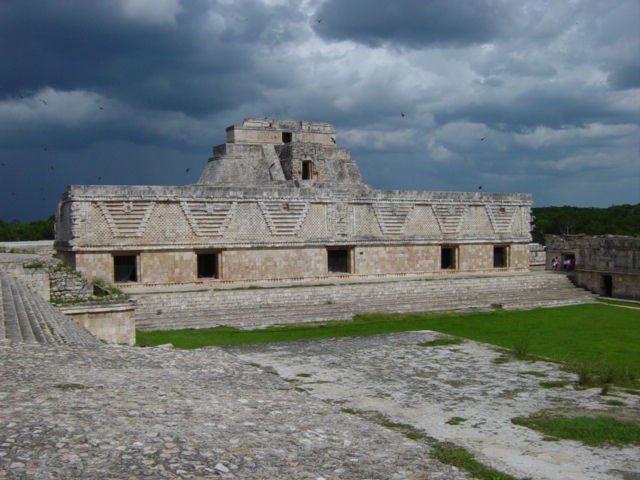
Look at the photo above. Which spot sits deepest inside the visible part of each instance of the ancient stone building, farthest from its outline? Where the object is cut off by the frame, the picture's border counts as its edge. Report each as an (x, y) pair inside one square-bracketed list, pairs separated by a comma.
[(281, 200), (605, 264)]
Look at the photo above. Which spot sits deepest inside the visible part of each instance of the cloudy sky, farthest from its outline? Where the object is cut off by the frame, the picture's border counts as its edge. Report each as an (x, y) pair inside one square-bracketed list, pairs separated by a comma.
[(518, 96)]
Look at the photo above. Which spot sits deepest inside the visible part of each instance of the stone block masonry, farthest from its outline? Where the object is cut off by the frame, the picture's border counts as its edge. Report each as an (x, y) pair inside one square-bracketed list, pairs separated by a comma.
[(281, 200)]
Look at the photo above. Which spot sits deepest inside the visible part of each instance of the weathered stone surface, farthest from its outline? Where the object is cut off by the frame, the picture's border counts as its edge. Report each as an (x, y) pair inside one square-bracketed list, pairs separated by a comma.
[(394, 376), (123, 412)]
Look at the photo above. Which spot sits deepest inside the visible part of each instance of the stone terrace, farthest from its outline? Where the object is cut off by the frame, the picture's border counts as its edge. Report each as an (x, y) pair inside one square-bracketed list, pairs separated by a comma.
[(254, 308)]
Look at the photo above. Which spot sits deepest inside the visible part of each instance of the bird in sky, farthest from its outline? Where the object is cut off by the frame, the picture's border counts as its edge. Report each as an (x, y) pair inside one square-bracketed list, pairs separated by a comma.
[(43, 101), (402, 114), (319, 20), (101, 107), (482, 139), (188, 170), (480, 187)]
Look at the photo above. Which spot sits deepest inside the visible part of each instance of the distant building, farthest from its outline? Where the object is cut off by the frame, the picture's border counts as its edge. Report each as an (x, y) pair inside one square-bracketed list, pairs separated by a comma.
[(281, 200), (608, 265)]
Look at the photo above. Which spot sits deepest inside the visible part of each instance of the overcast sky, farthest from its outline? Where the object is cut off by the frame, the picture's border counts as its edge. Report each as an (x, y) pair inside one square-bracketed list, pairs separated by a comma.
[(517, 96)]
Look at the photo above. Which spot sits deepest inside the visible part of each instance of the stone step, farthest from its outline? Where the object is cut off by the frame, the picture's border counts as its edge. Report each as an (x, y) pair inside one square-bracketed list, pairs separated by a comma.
[(29, 318), (198, 309)]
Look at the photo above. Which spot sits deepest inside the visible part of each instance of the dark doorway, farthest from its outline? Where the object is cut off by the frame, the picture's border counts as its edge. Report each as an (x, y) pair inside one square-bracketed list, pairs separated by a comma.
[(307, 170), (287, 137), (338, 260), (500, 257), (448, 258), (607, 285), (125, 268), (207, 265)]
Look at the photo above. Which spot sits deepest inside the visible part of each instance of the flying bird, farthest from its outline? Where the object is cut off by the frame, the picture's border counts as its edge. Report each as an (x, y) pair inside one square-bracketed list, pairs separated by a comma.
[(43, 101), (319, 20), (482, 139), (480, 187), (188, 170), (402, 114), (101, 107)]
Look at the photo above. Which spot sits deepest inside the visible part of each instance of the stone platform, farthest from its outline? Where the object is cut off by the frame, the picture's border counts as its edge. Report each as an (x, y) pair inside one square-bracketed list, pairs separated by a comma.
[(266, 304), (121, 412)]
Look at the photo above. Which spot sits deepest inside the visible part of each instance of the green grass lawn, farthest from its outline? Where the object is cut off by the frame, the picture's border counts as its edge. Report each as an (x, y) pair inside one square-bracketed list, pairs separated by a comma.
[(592, 333)]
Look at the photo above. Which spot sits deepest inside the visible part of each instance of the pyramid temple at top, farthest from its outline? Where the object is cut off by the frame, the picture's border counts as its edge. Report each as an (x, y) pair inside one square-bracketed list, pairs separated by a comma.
[(281, 200)]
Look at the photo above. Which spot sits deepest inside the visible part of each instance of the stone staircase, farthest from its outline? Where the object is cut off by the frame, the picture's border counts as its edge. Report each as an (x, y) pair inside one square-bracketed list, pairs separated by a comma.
[(264, 306), (26, 317)]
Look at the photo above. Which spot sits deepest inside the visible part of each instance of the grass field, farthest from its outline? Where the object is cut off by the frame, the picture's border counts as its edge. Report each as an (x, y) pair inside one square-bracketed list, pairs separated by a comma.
[(599, 335)]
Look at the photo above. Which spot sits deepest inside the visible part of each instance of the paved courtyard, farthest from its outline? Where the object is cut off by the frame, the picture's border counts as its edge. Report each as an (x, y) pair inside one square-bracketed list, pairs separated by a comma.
[(428, 386), (278, 412)]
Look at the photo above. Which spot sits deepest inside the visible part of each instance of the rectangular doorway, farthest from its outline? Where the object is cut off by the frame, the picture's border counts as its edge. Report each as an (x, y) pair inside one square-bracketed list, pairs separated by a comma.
[(338, 260)]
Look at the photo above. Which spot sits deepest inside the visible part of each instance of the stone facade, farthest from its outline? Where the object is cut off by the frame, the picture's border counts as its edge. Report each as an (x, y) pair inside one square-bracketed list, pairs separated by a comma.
[(280, 200), (608, 265)]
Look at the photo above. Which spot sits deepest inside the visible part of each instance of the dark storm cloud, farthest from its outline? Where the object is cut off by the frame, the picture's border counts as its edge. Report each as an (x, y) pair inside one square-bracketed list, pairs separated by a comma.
[(137, 91), (553, 107), (187, 66), (413, 23), (626, 77)]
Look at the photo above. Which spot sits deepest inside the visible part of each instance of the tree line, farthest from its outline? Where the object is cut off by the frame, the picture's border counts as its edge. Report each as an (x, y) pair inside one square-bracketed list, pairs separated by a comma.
[(16, 231), (614, 220)]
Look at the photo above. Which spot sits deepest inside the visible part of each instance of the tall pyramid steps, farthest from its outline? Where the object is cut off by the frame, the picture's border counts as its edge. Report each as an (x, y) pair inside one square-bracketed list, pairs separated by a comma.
[(27, 318)]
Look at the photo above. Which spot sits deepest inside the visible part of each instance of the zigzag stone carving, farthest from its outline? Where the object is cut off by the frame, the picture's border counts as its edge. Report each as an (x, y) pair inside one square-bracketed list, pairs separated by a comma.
[(501, 217), (208, 218), (449, 217), (126, 218), (392, 217), (284, 217)]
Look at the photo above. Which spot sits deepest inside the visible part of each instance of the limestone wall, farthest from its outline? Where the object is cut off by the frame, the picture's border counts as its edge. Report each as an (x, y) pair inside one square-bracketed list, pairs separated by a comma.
[(112, 323), (273, 263), (180, 267), (123, 221), (396, 259)]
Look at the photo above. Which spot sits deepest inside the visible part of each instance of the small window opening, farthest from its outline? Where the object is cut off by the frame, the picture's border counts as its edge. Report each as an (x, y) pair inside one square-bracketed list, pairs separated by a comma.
[(287, 137), (338, 260), (607, 285), (207, 265), (500, 257), (125, 268), (307, 170), (448, 258)]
